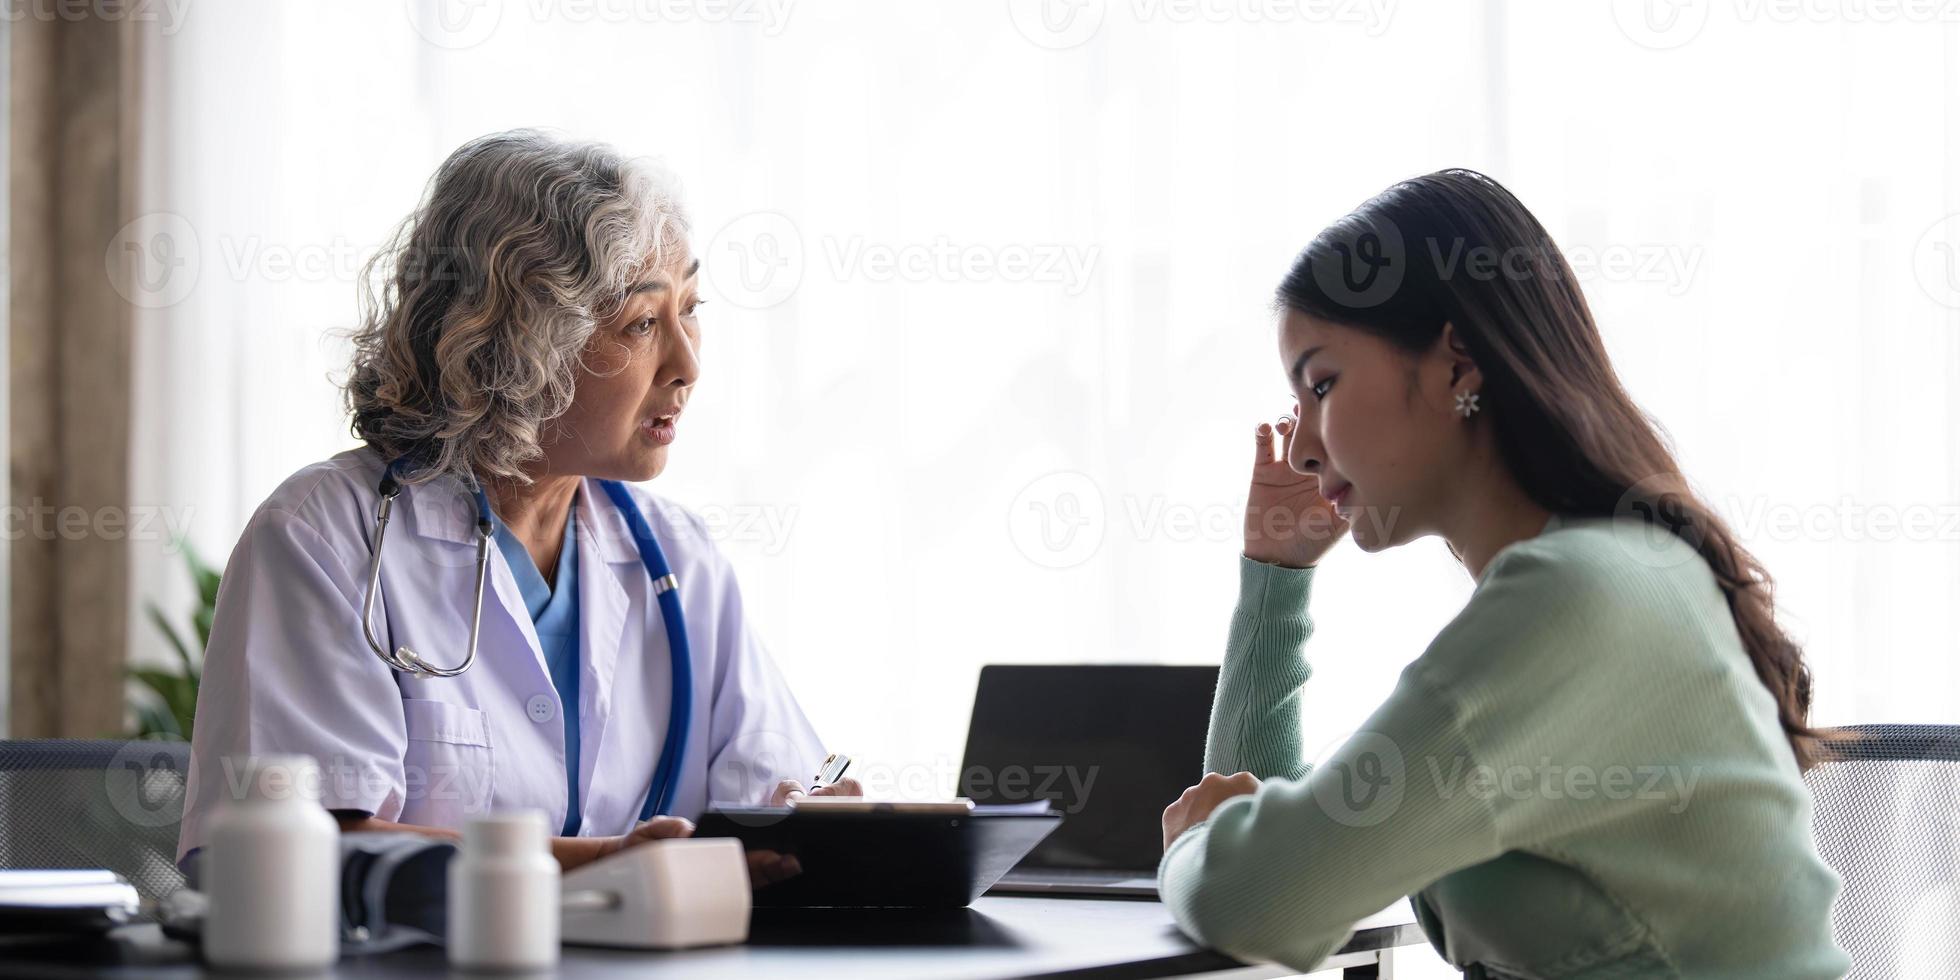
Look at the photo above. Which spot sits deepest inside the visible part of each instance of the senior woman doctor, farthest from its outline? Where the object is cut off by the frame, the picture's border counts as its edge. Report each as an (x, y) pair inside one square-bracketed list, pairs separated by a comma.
[(536, 333)]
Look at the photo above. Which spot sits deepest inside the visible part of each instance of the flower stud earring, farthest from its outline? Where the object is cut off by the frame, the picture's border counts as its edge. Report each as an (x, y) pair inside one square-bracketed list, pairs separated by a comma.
[(1466, 403)]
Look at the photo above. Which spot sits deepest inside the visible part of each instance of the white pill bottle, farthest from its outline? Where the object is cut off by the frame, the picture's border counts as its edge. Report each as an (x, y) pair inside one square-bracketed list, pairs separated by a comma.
[(503, 895), (271, 869)]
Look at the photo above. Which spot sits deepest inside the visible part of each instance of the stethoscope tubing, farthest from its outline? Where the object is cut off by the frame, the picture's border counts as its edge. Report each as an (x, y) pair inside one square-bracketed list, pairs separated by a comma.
[(666, 588)]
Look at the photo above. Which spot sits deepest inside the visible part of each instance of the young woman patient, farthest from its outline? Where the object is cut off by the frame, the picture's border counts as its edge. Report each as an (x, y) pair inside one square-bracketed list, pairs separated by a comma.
[(1594, 769)]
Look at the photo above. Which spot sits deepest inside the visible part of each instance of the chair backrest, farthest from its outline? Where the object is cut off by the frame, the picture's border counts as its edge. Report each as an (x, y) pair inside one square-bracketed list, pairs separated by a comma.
[(74, 803), (1888, 820)]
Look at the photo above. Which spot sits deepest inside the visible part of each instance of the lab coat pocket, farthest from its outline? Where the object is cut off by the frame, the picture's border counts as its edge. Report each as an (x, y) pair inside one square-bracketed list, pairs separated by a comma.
[(449, 768)]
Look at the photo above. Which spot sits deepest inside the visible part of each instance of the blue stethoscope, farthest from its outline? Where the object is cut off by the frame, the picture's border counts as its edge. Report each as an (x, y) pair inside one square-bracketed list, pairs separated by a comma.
[(666, 589)]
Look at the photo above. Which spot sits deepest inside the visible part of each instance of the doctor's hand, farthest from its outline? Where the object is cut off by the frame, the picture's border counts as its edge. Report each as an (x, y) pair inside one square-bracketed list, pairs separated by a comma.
[(790, 788), (1287, 522), (765, 867), (1196, 804), (658, 828)]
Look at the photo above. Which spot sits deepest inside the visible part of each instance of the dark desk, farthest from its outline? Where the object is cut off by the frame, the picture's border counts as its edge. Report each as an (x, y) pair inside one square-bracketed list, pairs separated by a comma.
[(1000, 936)]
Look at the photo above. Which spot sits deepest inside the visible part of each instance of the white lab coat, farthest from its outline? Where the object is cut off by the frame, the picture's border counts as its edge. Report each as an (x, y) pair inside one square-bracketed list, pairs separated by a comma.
[(289, 671)]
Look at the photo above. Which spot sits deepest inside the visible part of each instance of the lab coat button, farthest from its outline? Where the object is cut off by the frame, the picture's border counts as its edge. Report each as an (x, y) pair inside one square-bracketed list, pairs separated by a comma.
[(541, 708)]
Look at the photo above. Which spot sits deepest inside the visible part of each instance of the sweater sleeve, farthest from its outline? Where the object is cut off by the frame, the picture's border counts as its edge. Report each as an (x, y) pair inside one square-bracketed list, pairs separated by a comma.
[(1282, 874), (1255, 716)]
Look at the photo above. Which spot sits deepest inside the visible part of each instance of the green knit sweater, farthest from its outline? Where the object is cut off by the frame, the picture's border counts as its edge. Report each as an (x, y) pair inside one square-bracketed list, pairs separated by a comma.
[(1580, 777)]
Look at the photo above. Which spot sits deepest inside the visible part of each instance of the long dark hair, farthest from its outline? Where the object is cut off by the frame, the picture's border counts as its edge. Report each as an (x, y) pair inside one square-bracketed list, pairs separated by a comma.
[(1456, 246)]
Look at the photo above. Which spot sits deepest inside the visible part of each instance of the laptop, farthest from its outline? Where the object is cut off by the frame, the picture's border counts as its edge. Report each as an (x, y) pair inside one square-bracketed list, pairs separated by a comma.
[(1110, 745)]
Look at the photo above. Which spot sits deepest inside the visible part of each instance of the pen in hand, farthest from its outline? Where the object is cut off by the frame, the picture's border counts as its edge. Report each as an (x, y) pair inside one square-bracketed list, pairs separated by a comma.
[(831, 771)]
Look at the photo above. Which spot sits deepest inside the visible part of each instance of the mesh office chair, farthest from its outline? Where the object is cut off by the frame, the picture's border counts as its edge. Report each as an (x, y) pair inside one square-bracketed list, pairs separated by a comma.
[(73, 803), (1888, 820)]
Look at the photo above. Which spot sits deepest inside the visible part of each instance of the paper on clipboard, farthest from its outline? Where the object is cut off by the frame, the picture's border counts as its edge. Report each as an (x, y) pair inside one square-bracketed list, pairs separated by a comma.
[(859, 853), (861, 804), (955, 807)]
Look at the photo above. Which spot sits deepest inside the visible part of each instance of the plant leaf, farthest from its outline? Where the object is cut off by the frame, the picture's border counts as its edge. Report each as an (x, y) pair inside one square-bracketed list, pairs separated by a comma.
[(203, 574), (153, 721), (176, 691), (170, 633)]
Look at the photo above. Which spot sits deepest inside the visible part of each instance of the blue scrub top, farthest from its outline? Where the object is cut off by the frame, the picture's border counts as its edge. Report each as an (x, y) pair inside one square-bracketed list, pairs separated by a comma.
[(554, 613)]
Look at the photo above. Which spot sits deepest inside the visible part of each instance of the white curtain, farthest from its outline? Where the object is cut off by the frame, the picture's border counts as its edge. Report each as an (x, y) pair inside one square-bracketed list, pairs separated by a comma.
[(990, 286)]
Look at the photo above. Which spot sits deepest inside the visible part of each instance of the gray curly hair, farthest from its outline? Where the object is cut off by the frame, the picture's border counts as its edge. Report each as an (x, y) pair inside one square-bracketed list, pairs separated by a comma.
[(476, 314)]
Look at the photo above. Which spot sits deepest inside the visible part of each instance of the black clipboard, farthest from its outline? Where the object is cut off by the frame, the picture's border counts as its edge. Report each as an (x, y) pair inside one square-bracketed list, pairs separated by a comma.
[(882, 856)]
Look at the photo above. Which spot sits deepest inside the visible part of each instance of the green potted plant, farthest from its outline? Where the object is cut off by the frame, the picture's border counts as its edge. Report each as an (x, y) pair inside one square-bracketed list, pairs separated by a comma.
[(164, 699)]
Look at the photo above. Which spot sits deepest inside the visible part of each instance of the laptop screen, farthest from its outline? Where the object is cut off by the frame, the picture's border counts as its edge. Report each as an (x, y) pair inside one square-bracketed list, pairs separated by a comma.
[(1111, 745)]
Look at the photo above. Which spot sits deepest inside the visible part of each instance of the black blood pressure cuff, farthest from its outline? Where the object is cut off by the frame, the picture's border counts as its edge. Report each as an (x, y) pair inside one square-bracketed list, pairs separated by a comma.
[(394, 892)]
